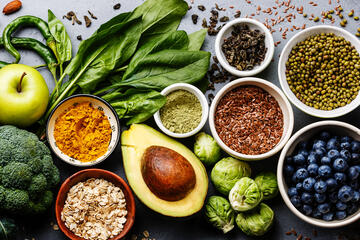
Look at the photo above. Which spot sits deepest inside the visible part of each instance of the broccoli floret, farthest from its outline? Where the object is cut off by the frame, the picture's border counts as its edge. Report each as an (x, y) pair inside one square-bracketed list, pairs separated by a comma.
[(16, 201), (8, 228), (16, 175), (26, 172), (42, 204), (37, 186)]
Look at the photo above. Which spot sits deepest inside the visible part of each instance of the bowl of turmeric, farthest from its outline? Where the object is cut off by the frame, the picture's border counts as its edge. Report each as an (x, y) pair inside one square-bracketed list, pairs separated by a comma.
[(83, 130)]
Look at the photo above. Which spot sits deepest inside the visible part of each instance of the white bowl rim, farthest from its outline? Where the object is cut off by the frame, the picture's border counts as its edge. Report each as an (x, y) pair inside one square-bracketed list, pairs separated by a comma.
[(240, 82), (204, 105), (259, 68), (91, 163), (301, 106), (281, 183)]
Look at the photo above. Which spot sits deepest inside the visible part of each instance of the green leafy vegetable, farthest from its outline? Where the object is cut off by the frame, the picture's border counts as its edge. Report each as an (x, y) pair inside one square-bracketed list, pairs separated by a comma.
[(62, 39), (8, 228), (196, 39)]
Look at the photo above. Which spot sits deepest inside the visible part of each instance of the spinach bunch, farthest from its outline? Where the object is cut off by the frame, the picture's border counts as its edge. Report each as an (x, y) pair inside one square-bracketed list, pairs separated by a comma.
[(132, 57)]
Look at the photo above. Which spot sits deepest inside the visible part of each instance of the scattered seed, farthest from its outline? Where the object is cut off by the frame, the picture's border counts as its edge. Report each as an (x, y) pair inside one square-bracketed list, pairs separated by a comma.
[(357, 34), (305, 15), (201, 8), (224, 19), (237, 15), (316, 19), (117, 6), (87, 21), (79, 37), (92, 15), (356, 18), (204, 23), (194, 18), (55, 227)]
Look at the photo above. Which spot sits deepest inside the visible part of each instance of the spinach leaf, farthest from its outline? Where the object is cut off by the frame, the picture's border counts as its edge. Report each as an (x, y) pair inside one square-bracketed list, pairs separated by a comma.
[(161, 69), (63, 42), (136, 105), (196, 39)]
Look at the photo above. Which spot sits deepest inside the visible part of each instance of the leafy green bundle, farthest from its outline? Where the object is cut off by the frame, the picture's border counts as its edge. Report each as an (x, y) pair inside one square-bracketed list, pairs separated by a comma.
[(132, 57)]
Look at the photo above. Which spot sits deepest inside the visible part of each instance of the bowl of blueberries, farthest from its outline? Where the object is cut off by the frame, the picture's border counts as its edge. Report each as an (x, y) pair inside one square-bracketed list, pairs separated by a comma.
[(319, 174)]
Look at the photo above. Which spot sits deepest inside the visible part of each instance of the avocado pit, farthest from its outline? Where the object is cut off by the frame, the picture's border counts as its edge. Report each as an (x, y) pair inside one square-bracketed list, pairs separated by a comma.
[(167, 174)]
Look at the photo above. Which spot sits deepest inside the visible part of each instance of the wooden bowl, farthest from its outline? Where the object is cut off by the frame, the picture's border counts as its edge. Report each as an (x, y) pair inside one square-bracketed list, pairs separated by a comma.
[(95, 173)]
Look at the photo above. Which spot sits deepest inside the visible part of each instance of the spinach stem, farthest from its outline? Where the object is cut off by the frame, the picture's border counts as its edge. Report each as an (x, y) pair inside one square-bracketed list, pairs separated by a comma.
[(40, 66)]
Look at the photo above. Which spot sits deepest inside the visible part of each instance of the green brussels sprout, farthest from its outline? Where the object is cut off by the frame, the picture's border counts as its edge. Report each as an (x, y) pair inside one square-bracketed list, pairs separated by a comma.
[(206, 149), (268, 184), (220, 214), (245, 195), (227, 172), (257, 221)]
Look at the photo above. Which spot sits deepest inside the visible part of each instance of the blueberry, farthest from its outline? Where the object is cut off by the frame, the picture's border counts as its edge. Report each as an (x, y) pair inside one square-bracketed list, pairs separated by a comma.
[(340, 215), (345, 154), (312, 158), (316, 214), (313, 169), (333, 197), (323, 208), (320, 186), (319, 144), (303, 145), (296, 201), (300, 175), (352, 173), (319, 152), (324, 136), (320, 197), (307, 209), (328, 216), (324, 171), (345, 194), (306, 198), (299, 187), (347, 139), (340, 165), (308, 184), (354, 184), (325, 160), (289, 160), (333, 154), (356, 196), (352, 208), (332, 143), (292, 191), (355, 158), (355, 146), (331, 184), (345, 145), (288, 170), (303, 152), (299, 159), (340, 206), (340, 178)]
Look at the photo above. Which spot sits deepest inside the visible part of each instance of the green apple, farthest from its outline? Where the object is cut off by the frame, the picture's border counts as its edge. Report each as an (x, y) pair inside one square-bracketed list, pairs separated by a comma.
[(24, 95)]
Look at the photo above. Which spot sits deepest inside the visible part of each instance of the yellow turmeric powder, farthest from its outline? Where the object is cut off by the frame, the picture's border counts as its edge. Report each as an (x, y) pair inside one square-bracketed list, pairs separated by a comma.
[(83, 132)]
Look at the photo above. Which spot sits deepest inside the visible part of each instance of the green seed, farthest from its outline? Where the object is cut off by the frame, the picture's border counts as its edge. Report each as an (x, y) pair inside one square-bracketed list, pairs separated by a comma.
[(357, 34), (341, 16), (351, 14), (305, 15), (316, 19), (329, 16), (356, 18)]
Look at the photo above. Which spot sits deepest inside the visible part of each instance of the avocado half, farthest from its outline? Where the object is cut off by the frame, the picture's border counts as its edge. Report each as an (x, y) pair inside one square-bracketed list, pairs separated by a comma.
[(136, 143)]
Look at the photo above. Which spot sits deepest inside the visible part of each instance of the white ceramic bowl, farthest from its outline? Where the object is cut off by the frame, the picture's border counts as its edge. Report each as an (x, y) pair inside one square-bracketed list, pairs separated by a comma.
[(96, 102), (303, 134), (226, 32), (204, 105), (288, 115), (282, 76)]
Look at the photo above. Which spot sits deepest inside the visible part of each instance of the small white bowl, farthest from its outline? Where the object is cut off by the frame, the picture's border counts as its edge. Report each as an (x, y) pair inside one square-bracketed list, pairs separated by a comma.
[(288, 115), (303, 134), (204, 105), (226, 32), (96, 102), (301, 36)]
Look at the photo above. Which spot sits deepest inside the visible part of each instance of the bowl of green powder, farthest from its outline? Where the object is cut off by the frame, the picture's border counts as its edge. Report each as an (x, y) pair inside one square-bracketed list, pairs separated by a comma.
[(185, 112)]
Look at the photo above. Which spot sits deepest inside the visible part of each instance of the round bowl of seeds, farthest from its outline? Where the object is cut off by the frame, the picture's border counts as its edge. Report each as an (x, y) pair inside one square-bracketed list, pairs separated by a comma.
[(95, 204), (244, 47), (251, 119), (185, 111), (319, 71)]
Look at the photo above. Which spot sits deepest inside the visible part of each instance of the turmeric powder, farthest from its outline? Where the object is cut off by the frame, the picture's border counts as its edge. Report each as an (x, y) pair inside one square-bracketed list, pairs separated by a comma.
[(83, 132)]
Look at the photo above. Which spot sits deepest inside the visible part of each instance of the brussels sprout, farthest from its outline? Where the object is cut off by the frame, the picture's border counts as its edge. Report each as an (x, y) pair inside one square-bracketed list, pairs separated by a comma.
[(227, 172), (245, 195), (268, 184), (220, 214), (206, 149), (257, 221)]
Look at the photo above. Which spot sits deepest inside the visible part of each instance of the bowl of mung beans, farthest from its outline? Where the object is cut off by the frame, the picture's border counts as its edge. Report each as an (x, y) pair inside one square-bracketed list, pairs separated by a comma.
[(319, 71)]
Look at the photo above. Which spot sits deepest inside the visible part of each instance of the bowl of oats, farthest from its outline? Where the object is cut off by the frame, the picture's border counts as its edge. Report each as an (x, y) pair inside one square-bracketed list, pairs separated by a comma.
[(95, 204)]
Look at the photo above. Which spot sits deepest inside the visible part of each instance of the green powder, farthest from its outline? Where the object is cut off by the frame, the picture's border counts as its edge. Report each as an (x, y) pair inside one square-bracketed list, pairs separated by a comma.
[(182, 112)]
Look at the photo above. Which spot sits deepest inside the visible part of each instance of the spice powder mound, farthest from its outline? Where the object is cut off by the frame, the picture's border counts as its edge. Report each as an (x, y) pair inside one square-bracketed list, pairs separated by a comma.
[(249, 120), (83, 132)]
